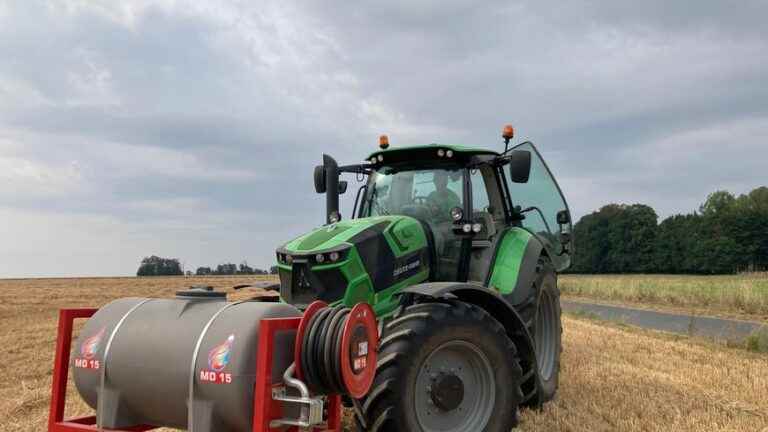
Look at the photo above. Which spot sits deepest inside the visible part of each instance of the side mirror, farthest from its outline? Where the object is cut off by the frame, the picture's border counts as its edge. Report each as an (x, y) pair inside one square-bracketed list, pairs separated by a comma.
[(343, 186), (319, 179), (563, 217), (520, 166)]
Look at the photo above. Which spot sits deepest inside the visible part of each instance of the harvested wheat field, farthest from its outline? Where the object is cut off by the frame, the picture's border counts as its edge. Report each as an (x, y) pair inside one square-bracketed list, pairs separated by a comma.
[(613, 378), (740, 296)]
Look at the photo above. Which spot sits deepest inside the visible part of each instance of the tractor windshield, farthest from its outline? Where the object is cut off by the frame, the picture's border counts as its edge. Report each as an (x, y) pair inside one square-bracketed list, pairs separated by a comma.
[(427, 194)]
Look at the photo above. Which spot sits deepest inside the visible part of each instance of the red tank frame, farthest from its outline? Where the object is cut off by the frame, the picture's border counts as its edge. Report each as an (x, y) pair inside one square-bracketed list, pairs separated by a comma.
[(265, 409)]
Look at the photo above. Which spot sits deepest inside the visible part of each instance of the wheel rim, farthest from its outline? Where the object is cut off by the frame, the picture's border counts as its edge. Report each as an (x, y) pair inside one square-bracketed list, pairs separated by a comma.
[(546, 342), (441, 403)]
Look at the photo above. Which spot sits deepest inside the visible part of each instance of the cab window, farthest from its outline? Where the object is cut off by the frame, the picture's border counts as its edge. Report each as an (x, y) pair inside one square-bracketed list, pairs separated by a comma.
[(427, 195), (480, 202)]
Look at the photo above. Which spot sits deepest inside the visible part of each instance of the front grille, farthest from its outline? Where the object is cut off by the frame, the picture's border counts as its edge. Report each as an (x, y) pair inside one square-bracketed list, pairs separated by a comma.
[(302, 286), (302, 291), (332, 284)]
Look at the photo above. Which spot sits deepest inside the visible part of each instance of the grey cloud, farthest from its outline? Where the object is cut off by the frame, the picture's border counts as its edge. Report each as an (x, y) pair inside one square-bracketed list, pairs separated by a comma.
[(193, 127)]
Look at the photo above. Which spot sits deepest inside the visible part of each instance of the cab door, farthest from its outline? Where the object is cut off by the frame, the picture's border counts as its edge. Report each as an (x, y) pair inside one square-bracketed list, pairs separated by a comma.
[(544, 208)]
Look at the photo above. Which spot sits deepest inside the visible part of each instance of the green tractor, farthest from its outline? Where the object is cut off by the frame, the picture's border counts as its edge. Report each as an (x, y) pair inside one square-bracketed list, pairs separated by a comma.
[(457, 250)]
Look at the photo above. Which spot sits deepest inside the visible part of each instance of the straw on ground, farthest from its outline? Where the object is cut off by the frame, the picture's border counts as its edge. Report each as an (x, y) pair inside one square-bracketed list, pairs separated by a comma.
[(613, 378)]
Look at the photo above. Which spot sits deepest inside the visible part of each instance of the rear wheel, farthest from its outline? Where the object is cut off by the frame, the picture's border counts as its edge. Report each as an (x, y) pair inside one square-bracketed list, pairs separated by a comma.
[(541, 313), (444, 366)]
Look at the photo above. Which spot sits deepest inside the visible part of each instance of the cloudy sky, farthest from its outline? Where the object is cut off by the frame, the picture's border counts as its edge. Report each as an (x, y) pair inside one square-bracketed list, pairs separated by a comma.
[(190, 128)]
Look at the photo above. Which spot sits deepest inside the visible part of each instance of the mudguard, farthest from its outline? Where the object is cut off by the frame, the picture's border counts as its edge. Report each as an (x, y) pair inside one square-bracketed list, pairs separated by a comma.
[(513, 267), (488, 300)]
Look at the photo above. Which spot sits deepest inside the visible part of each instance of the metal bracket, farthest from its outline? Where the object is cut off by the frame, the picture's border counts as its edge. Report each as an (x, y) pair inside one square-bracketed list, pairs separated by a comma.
[(311, 407)]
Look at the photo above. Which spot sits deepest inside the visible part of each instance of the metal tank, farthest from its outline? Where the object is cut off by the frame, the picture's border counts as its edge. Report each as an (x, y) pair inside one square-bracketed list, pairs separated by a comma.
[(187, 362)]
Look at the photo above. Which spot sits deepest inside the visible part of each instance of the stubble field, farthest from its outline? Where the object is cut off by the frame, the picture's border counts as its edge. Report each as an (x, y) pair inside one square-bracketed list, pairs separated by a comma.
[(613, 378), (739, 296)]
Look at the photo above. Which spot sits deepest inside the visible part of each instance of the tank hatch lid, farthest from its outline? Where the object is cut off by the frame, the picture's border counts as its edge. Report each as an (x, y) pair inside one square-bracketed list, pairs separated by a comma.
[(201, 292)]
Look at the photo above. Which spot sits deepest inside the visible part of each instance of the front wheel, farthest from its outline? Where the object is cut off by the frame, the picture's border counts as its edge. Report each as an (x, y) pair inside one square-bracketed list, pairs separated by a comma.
[(444, 366)]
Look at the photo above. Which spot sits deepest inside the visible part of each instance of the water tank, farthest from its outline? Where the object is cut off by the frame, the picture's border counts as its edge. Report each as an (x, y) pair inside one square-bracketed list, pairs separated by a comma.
[(187, 362)]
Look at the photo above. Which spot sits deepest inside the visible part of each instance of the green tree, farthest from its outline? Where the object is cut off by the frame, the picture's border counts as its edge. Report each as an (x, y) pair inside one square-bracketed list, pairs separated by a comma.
[(717, 203), (203, 271), (157, 266), (245, 269), (676, 238), (618, 238), (748, 227), (727, 234), (226, 269)]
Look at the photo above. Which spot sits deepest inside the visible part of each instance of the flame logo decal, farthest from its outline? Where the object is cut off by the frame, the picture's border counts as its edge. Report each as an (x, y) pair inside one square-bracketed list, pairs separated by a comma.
[(91, 345), (219, 356)]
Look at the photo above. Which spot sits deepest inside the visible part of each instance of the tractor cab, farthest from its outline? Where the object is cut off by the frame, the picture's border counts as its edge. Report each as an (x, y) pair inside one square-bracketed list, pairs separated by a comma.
[(430, 213), (468, 198), (434, 185)]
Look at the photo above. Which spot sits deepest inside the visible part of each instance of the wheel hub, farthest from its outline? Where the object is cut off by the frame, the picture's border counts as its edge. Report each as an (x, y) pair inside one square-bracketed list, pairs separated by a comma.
[(447, 391), (457, 390)]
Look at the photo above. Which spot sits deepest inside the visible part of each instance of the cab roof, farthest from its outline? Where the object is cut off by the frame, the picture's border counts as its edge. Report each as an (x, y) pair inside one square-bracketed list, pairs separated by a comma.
[(419, 151)]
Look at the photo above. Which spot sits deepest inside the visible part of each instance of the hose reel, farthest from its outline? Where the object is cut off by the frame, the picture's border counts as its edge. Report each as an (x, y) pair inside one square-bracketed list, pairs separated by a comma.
[(335, 351)]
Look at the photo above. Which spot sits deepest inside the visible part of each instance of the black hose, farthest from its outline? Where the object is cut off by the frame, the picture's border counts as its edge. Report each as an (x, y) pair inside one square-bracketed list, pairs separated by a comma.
[(309, 373), (321, 351), (336, 348)]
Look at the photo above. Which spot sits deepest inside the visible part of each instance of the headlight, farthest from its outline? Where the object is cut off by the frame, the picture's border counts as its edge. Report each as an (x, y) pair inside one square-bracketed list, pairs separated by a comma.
[(457, 214), (330, 257)]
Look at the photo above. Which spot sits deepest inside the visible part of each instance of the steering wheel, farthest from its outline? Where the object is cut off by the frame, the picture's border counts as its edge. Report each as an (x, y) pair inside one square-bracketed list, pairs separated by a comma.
[(425, 202)]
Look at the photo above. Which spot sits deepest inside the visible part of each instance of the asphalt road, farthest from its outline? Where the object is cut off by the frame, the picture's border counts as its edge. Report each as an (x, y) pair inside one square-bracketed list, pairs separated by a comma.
[(691, 325)]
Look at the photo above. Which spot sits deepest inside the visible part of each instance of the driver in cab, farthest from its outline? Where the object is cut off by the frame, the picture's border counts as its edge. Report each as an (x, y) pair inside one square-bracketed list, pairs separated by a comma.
[(442, 199)]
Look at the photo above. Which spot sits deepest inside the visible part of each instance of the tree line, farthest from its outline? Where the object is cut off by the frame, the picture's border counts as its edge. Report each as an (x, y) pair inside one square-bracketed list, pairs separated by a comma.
[(158, 266), (727, 234), (231, 269)]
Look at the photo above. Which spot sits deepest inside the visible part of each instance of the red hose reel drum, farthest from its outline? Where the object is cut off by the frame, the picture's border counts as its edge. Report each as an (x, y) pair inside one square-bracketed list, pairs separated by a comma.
[(359, 343), (356, 352)]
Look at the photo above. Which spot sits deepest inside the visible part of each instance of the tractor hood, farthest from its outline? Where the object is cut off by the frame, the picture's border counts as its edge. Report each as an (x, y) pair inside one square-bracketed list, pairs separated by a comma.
[(345, 233), (353, 260)]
